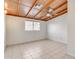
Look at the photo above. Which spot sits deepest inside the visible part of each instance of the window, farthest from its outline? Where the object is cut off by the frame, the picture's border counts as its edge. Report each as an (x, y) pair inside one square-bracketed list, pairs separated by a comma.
[(32, 26), (28, 25), (36, 26)]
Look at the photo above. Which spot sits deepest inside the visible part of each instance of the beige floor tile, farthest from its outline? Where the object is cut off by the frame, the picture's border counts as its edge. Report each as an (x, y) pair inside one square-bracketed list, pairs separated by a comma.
[(45, 49)]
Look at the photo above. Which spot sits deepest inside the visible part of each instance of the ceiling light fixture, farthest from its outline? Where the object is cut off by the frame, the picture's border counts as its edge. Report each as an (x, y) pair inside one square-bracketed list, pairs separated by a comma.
[(48, 15), (50, 9), (39, 5)]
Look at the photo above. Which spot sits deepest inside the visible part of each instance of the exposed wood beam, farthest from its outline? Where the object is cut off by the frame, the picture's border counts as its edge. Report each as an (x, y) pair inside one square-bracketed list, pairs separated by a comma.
[(61, 10), (25, 17), (43, 16), (23, 4), (31, 7), (59, 14), (56, 7), (60, 5), (47, 5)]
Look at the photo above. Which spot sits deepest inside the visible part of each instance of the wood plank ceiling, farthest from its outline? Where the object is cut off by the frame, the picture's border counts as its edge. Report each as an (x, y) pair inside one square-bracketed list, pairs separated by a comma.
[(36, 9)]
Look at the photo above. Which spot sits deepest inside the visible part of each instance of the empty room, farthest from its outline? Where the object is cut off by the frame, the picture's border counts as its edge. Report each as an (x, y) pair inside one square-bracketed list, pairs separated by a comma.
[(39, 29)]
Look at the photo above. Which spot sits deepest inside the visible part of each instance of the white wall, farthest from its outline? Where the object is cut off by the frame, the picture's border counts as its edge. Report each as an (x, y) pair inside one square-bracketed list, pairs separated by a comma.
[(57, 29), (63, 29), (71, 27), (16, 34)]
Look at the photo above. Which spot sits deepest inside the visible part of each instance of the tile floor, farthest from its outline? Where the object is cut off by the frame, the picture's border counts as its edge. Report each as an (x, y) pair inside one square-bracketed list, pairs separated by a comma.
[(45, 49)]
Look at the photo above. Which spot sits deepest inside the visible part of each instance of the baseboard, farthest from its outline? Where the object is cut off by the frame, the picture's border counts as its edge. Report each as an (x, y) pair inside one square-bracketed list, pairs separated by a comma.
[(25, 42), (59, 42)]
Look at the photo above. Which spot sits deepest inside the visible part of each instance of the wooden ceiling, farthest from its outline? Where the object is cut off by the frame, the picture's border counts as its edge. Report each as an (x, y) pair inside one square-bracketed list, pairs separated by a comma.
[(36, 9)]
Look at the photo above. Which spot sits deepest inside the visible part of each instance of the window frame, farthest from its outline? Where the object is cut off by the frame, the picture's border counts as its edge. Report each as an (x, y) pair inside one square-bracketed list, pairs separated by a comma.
[(33, 26)]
